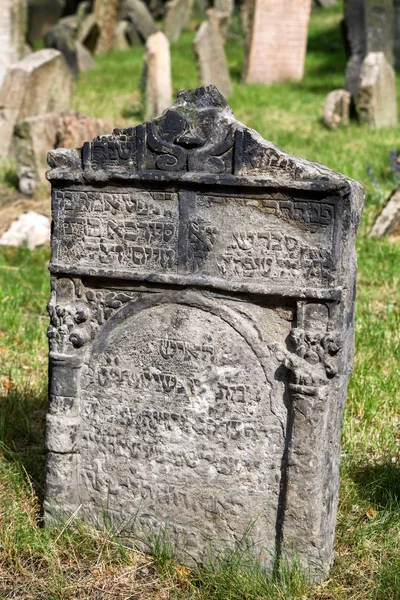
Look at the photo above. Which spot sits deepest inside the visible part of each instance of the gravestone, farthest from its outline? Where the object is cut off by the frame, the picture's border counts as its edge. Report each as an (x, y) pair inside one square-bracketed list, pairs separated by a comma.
[(137, 12), (157, 75), (396, 19), (177, 17), (388, 221), (201, 337), (40, 83), (368, 26), (13, 27), (377, 94), (211, 59), (106, 15), (276, 40)]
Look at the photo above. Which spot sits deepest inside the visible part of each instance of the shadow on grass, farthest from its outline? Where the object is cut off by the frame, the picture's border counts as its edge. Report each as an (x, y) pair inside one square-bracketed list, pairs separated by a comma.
[(22, 426), (378, 484)]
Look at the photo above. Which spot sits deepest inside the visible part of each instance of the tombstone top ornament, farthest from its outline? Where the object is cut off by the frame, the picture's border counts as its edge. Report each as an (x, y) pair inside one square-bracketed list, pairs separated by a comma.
[(201, 335)]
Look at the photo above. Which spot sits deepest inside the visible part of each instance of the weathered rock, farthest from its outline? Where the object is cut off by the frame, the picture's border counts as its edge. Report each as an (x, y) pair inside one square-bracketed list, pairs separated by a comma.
[(201, 337), (177, 17), (38, 84), (30, 228), (106, 16), (211, 60), (276, 41), (13, 28), (137, 12), (224, 9), (35, 136), (337, 109), (157, 75), (368, 28), (377, 102), (388, 221)]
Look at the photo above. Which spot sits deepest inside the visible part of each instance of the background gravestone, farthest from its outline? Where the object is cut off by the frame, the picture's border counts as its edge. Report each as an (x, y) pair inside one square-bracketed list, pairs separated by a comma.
[(38, 84), (201, 337), (377, 94), (276, 40), (211, 59), (13, 27), (177, 17), (157, 75)]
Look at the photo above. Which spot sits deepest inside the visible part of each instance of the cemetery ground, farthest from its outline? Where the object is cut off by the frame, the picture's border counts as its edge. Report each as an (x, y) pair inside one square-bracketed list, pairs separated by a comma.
[(72, 561)]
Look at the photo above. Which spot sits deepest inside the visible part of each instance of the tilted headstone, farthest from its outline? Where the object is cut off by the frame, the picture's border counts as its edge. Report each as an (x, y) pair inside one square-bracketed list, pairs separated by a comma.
[(388, 221), (177, 17), (377, 94), (276, 41), (157, 75), (13, 28), (35, 135), (137, 12), (396, 20), (211, 59), (38, 84), (106, 15), (201, 337)]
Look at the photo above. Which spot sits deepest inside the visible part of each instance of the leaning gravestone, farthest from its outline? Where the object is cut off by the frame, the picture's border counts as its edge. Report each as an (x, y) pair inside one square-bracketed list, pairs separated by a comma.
[(276, 40), (40, 83), (201, 336), (106, 15), (210, 53), (177, 17), (13, 27)]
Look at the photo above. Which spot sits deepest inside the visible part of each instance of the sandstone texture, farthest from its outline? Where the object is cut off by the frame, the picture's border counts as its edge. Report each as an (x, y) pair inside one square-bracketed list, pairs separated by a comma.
[(38, 84), (211, 59), (201, 336), (376, 98), (337, 109), (106, 16), (35, 136), (276, 40), (157, 77)]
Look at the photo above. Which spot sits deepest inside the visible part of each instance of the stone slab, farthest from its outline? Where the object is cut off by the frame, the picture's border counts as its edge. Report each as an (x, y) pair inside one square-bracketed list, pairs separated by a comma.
[(377, 94), (210, 52), (40, 83), (106, 16), (157, 75), (35, 135), (13, 29), (276, 40), (177, 17), (201, 336), (388, 221), (137, 12)]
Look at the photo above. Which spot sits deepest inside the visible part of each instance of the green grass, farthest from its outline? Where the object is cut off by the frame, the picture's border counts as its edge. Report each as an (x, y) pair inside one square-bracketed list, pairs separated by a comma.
[(73, 561)]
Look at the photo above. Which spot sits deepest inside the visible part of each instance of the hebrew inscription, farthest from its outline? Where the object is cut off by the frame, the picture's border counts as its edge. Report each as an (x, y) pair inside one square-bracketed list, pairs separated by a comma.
[(200, 338)]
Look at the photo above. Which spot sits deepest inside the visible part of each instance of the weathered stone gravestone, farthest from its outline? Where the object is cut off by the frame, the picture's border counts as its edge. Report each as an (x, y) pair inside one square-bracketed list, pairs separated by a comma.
[(368, 28), (106, 15), (157, 84), (377, 95), (211, 59), (177, 17), (13, 27), (201, 335), (276, 40), (38, 84), (337, 109)]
